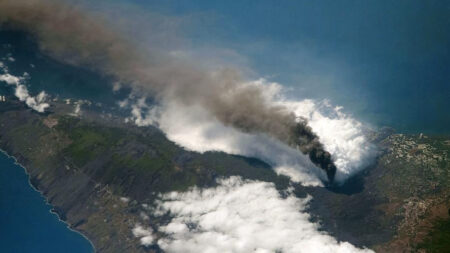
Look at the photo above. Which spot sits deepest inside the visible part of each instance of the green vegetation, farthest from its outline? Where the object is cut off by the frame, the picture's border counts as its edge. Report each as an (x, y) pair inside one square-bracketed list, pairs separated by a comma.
[(135, 162), (89, 142), (85, 165)]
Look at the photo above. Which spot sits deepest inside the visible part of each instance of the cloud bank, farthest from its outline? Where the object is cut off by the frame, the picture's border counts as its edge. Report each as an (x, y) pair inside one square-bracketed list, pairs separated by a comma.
[(240, 216)]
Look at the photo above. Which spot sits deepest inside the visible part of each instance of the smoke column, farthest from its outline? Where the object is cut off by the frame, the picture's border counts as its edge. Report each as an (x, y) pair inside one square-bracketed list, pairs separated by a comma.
[(71, 35)]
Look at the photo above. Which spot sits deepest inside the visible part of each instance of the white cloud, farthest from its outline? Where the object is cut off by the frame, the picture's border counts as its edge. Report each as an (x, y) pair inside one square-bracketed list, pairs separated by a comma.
[(144, 234), (77, 109), (195, 129), (36, 103), (21, 92), (10, 79), (116, 86), (124, 199), (241, 216), (342, 135), (141, 114), (123, 103), (143, 216)]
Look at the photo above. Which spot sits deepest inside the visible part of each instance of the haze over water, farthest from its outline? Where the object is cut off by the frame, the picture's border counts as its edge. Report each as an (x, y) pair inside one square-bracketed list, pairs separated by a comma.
[(386, 62)]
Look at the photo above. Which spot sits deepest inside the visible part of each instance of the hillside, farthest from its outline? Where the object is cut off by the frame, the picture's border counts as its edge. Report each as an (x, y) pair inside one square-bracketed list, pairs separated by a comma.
[(101, 174)]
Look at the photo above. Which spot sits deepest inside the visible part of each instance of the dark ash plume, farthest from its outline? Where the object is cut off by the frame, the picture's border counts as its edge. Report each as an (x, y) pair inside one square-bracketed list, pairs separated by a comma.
[(72, 36)]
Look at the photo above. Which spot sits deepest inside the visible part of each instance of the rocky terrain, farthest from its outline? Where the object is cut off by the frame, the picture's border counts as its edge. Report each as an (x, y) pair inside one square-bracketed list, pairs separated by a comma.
[(415, 182), (101, 176)]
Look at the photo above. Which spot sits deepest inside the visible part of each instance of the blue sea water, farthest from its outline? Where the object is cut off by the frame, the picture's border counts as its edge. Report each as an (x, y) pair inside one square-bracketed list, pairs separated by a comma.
[(26, 223), (387, 62)]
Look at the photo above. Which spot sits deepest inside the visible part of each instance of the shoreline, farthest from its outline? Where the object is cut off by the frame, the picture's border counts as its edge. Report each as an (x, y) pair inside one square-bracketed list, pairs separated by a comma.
[(45, 199)]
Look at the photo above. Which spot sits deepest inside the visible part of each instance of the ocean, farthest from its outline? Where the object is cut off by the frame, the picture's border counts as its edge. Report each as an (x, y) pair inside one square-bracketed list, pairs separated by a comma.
[(26, 223), (386, 63)]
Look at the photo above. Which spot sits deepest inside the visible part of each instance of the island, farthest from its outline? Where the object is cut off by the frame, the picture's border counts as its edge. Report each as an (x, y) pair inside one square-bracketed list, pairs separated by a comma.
[(102, 176)]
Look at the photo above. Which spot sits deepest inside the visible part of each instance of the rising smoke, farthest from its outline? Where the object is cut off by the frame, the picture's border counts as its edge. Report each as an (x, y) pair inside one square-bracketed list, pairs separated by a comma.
[(69, 34)]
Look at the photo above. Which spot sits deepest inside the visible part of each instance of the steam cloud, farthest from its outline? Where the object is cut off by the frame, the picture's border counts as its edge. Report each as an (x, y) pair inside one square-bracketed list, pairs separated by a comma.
[(70, 35), (193, 128)]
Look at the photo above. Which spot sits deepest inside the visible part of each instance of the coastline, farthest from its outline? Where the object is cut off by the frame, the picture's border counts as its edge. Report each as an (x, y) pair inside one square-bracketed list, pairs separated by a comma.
[(67, 225), (99, 209)]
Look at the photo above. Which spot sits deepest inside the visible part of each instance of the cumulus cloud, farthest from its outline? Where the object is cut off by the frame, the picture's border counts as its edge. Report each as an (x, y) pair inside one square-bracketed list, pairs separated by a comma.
[(10, 79), (140, 112), (124, 199), (196, 129), (36, 103), (145, 235), (77, 107), (241, 216)]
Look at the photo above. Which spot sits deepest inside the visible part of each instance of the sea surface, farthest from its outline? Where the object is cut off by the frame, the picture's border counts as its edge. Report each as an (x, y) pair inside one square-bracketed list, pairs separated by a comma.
[(26, 223), (386, 62)]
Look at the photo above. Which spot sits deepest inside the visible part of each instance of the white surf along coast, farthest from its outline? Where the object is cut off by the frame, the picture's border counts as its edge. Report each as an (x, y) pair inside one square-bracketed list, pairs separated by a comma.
[(242, 215)]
